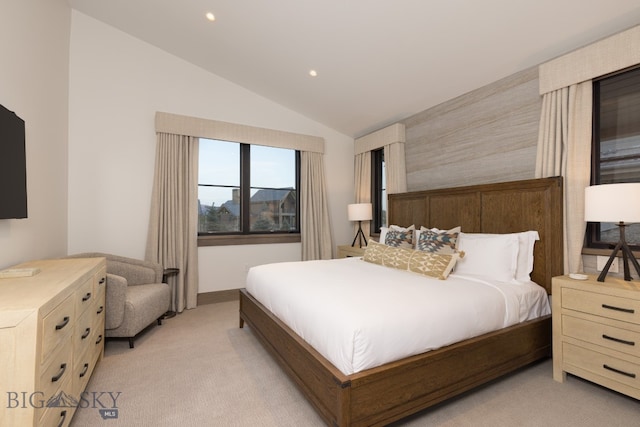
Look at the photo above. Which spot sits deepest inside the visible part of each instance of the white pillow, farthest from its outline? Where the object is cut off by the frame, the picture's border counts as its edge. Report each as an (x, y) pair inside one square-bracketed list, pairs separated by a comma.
[(526, 242), (494, 256)]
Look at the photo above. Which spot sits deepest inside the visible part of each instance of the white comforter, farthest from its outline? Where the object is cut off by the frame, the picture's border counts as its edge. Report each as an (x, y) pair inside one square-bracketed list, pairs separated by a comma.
[(360, 315)]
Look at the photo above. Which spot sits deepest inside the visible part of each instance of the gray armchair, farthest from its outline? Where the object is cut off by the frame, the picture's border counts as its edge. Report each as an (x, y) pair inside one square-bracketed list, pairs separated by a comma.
[(135, 295)]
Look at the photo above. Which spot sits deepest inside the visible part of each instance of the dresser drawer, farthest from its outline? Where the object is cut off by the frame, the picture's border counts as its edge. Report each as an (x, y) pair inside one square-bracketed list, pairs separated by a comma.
[(56, 371), (56, 327), (82, 369), (99, 307), (83, 332), (615, 369), (625, 309), (619, 339), (97, 342), (57, 416), (100, 281), (85, 296)]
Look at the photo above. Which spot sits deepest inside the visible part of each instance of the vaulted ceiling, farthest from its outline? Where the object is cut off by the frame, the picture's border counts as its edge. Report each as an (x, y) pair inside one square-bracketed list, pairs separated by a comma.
[(377, 61)]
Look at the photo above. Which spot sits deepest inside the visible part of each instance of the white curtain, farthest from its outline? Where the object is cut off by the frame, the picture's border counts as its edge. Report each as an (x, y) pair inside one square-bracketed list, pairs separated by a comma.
[(564, 149), (395, 166), (315, 228), (362, 170), (173, 236)]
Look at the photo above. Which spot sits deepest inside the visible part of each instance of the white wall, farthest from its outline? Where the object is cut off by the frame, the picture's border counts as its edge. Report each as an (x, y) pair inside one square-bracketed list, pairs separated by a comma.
[(34, 41), (117, 83)]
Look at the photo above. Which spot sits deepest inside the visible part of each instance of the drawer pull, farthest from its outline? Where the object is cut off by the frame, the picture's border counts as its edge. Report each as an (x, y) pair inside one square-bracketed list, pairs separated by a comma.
[(102, 280), (86, 333), (100, 309), (618, 371), (63, 368), (87, 297), (621, 341), (624, 310), (84, 371), (64, 323), (63, 417), (99, 340)]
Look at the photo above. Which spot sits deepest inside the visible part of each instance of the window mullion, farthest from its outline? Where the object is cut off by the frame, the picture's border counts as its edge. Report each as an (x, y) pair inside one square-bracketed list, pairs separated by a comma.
[(245, 187)]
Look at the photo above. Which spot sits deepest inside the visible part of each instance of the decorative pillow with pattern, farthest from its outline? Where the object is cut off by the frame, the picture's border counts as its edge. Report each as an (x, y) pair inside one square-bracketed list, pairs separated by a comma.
[(433, 264), (440, 242), (426, 263), (374, 252), (397, 257), (399, 239), (393, 227)]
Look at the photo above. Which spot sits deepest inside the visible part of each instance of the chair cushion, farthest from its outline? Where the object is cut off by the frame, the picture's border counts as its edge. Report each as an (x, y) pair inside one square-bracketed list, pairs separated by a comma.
[(144, 305)]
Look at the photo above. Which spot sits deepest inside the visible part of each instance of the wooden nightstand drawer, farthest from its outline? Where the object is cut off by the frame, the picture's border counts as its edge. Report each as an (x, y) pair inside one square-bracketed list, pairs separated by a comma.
[(612, 307), (603, 365), (347, 251), (606, 336)]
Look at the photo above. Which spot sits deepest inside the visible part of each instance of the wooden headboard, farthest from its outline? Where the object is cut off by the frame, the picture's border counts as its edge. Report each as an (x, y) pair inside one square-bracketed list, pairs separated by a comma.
[(506, 207)]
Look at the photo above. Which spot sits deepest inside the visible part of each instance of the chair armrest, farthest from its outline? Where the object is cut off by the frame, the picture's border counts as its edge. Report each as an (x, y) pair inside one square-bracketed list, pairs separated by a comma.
[(116, 294), (136, 271)]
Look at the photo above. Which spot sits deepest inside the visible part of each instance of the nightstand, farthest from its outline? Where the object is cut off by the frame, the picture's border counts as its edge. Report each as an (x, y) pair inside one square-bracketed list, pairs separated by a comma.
[(346, 251), (596, 332)]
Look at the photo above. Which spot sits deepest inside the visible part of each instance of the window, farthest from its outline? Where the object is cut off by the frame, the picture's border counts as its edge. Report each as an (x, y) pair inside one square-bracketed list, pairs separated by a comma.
[(247, 189), (378, 191), (616, 147)]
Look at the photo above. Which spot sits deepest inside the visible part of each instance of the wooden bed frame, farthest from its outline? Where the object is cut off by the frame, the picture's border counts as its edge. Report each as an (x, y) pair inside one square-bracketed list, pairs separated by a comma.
[(395, 390)]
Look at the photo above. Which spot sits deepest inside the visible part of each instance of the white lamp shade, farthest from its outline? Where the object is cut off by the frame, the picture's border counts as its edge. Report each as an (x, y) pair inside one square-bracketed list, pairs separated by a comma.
[(612, 203), (359, 212)]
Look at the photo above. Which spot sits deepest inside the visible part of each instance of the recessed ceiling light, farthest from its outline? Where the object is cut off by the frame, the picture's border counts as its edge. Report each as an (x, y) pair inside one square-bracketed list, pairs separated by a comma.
[(210, 16), (313, 73)]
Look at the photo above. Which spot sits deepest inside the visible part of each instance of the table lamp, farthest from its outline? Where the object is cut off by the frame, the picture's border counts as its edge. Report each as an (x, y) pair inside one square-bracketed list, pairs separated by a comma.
[(359, 212), (620, 204)]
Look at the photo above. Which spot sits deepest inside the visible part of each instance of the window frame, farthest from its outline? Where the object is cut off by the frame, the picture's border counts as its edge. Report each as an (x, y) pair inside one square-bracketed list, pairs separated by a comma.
[(377, 160), (592, 243), (245, 236)]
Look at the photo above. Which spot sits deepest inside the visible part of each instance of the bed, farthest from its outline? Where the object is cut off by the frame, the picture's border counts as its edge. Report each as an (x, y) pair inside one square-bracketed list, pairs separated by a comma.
[(394, 390)]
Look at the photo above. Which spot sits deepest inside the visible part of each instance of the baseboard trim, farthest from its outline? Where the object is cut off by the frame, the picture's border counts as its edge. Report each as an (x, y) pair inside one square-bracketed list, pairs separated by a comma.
[(218, 296)]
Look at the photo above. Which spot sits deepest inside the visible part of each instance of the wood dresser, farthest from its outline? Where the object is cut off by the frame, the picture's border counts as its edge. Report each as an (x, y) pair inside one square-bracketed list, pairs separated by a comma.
[(51, 338), (596, 332)]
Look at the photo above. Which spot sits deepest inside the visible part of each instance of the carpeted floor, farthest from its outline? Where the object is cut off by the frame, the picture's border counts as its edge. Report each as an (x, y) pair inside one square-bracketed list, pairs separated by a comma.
[(200, 369)]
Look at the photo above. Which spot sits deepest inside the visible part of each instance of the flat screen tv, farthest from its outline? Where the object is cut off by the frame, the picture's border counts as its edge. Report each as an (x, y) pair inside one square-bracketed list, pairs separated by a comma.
[(13, 166)]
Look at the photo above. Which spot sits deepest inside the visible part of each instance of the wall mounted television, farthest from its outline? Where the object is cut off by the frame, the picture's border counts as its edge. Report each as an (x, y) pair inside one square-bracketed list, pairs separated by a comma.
[(13, 166)]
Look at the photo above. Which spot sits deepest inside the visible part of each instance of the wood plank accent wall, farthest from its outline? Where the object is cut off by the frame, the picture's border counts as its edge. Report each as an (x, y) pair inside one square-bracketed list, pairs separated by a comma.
[(485, 136)]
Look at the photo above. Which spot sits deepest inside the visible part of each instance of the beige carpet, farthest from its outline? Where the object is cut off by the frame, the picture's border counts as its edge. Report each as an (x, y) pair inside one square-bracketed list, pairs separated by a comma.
[(200, 369)]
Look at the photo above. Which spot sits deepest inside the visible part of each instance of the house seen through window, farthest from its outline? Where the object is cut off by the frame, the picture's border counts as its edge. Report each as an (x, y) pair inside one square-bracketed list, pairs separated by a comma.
[(616, 147), (247, 189)]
